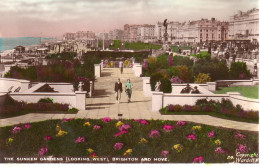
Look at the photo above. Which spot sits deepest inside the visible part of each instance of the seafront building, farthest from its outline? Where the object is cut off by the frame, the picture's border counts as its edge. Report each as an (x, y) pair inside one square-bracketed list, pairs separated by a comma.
[(172, 30), (245, 25), (203, 30), (146, 33)]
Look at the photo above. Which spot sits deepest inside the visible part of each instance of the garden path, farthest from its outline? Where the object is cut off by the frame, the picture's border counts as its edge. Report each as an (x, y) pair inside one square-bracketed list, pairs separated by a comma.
[(102, 104)]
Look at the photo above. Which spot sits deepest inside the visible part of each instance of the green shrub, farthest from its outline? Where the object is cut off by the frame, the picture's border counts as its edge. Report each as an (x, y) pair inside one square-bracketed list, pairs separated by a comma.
[(165, 82), (215, 68), (203, 78), (238, 70), (184, 73), (182, 61), (172, 71), (45, 100), (73, 110)]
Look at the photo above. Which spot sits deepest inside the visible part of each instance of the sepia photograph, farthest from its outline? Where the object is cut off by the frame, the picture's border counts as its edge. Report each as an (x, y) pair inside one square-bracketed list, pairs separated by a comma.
[(141, 82)]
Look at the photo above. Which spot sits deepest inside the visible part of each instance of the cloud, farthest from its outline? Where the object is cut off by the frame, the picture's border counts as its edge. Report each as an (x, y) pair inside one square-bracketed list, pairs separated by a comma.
[(100, 15)]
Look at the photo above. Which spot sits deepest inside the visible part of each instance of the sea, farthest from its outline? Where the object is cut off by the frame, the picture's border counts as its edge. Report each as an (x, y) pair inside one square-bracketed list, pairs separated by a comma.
[(11, 43)]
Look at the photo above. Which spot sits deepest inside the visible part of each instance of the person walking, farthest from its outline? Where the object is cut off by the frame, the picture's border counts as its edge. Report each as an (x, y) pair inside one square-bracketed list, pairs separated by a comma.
[(118, 90), (121, 67), (128, 89)]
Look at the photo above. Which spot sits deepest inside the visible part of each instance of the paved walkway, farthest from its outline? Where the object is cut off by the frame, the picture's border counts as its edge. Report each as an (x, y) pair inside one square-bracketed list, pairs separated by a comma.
[(103, 105)]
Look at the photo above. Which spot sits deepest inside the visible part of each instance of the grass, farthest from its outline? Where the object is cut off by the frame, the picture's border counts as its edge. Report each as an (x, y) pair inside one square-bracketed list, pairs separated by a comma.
[(117, 44), (176, 48), (203, 54), (141, 46), (29, 141), (247, 91), (214, 114)]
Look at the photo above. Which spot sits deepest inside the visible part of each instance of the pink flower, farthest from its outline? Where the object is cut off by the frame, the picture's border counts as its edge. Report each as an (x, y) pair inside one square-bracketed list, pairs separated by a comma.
[(124, 127), (168, 128), (240, 136), (106, 119), (154, 134), (211, 134), (164, 154), (80, 140), (199, 159), (16, 129), (27, 126), (48, 138), (191, 137), (219, 150), (43, 151), (144, 122), (66, 120), (120, 133), (97, 127), (242, 148), (118, 146), (181, 123)]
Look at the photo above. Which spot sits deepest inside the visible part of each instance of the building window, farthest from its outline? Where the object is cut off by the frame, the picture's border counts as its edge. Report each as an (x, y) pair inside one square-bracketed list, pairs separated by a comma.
[(206, 35), (200, 35), (206, 30)]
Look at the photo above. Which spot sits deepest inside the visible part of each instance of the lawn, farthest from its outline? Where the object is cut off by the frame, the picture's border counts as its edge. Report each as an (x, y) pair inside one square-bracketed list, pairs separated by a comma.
[(249, 91), (203, 54), (180, 142), (141, 46)]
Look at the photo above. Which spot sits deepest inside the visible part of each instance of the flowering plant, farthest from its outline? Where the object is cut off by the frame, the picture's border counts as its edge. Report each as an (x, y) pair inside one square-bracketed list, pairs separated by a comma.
[(176, 80), (181, 123), (220, 150), (119, 123), (27, 126), (178, 147), (191, 137), (10, 140), (66, 120), (217, 142), (97, 127), (212, 134), (154, 134), (124, 127), (48, 138), (106, 119), (118, 146), (80, 140), (16, 129), (164, 153), (168, 128), (143, 140), (128, 152), (87, 124), (120, 133), (242, 148), (62, 133), (43, 151), (199, 159), (196, 128), (240, 136)]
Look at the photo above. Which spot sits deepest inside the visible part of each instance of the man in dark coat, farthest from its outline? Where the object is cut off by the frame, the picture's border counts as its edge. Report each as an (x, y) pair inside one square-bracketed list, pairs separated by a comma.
[(118, 90)]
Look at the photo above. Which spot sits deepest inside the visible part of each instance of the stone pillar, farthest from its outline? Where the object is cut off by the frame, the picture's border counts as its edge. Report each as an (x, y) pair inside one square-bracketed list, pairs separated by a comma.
[(90, 88), (7, 68), (138, 70), (146, 80), (97, 70), (81, 100), (212, 86), (157, 101), (102, 64), (24, 85)]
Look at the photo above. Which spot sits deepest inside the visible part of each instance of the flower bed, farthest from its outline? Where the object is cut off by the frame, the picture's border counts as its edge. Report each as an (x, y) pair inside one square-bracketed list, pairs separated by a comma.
[(223, 109), (180, 142)]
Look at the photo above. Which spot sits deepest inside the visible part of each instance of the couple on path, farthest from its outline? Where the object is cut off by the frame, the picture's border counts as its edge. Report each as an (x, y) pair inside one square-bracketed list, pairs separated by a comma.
[(119, 90)]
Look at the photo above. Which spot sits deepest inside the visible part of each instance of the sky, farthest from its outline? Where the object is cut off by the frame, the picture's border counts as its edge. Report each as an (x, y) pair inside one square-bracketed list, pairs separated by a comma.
[(52, 18)]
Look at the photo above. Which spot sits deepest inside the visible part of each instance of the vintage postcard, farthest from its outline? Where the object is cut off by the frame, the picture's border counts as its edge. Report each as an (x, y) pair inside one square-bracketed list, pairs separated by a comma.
[(129, 82)]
